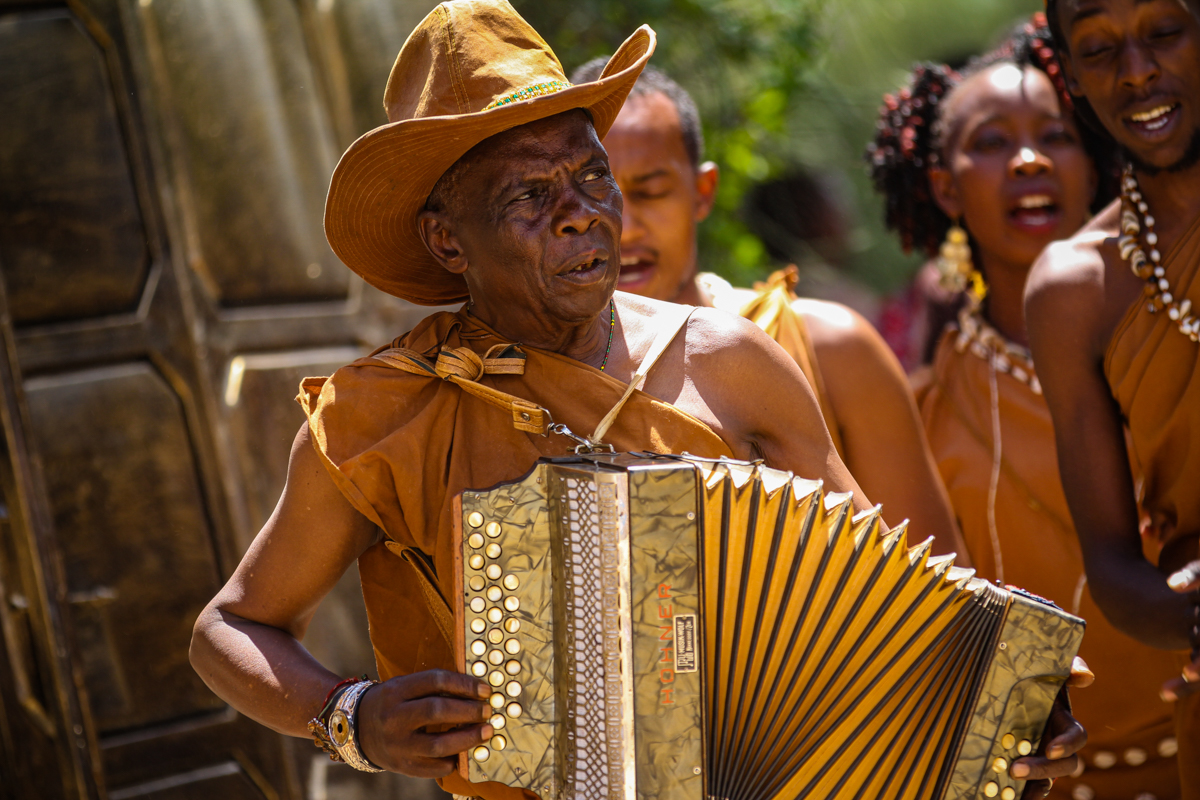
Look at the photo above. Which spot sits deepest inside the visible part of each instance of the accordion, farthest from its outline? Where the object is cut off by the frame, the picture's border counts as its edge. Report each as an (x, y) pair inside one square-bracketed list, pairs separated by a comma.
[(680, 628)]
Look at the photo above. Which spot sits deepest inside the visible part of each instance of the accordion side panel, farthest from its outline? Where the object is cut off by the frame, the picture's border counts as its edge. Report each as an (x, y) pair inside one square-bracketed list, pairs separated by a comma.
[(508, 625), (666, 613), (1032, 661)]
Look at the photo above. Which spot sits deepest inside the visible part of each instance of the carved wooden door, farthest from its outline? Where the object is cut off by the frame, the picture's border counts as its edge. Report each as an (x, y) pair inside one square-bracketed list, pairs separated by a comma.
[(166, 283)]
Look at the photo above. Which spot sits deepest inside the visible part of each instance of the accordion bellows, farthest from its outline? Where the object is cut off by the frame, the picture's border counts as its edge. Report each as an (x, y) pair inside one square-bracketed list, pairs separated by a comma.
[(682, 629)]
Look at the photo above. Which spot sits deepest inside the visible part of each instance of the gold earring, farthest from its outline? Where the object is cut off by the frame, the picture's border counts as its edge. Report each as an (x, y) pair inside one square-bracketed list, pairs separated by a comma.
[(954, 259)]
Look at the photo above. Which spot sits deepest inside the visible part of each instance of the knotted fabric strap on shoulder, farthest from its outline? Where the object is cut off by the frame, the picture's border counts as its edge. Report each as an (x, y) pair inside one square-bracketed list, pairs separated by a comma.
[(675, 318), (464, 367)]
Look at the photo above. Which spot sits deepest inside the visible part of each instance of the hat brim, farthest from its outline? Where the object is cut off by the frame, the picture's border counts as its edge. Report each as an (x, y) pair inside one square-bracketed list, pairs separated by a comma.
[(383, 180)]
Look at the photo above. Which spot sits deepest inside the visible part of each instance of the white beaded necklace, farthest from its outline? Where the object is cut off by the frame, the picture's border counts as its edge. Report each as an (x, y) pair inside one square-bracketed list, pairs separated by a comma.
[(985, 342), (1134, 215)]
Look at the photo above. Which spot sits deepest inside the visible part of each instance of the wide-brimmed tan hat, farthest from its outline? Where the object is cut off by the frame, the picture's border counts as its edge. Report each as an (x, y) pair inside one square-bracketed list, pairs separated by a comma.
[(471, 69)]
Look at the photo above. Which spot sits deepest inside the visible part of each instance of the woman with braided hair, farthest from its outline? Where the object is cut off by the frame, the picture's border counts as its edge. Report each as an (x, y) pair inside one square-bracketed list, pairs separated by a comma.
[(984, 169)]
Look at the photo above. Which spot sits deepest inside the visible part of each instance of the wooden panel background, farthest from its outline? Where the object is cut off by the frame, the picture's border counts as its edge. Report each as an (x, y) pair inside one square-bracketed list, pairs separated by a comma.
[(166, 283)]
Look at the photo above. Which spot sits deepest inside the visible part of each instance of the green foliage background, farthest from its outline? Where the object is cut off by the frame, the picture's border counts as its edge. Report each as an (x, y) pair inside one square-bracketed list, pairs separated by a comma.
[(782, 84)]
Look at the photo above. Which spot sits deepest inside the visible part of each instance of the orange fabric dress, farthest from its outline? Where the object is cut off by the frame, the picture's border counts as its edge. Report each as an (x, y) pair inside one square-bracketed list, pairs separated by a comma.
[(401, 446), (1154, 372), (1131, 742)]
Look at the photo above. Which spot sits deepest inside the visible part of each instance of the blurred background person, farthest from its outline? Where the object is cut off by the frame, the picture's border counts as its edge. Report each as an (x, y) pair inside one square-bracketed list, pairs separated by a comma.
[(988, 168), (655, 149)]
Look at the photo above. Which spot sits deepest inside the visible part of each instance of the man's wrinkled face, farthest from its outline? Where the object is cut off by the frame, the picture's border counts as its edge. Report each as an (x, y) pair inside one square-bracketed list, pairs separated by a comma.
[(1138, 64), (665, 196), (537, 217)]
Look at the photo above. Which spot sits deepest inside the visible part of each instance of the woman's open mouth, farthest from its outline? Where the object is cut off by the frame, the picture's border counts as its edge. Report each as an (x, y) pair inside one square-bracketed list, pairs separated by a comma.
[(1035, 213), (635, 272)]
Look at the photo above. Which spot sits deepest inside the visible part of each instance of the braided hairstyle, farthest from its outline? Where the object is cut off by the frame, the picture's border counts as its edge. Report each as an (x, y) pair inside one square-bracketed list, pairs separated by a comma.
[(910, 130)]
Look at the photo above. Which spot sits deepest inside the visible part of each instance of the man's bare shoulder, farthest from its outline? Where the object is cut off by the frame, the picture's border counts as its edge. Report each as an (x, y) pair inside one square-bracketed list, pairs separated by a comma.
[(710, 331), (1076, 267), (836, 329)]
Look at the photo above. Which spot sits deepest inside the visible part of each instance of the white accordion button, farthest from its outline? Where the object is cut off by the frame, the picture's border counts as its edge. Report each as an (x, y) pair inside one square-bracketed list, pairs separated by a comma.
[(497, 701), (494, 593), (494, 614), (1104, 759), (493, 529), (476, 583), (477, 605), (511, 582), (481, 753), (495, 679), (512, 667), (991, 789), (511, 603), (475, 519), (476, 542), (478, 648), (478, 625), (512, 625), (512, 647), (493, 571), (493, 550), (479, 669), (1008, 793), (495, 658), (999, 765), (498, 721), (513, 689), (495, 636), (1135, 756), (1083, 792), (514, 710), (1008, 741), (475, 561), (1168, 747), (498, 742), (1024, 747)]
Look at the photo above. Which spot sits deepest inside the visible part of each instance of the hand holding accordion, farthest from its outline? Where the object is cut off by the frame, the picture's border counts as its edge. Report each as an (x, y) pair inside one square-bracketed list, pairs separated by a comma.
[(677, 628)]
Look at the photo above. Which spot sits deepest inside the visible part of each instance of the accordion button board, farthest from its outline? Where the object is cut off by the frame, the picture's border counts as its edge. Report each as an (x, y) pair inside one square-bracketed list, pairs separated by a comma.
[(683, 629)]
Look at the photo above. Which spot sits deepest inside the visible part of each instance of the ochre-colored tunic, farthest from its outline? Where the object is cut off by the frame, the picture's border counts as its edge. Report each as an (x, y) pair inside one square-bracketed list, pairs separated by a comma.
[(1153, 371), (1040, 552), (401, 446)]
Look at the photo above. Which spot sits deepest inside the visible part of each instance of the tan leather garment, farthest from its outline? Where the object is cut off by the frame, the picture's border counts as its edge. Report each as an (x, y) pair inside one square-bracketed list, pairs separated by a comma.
[(401, 445), (1154, 373), (1040, 552)]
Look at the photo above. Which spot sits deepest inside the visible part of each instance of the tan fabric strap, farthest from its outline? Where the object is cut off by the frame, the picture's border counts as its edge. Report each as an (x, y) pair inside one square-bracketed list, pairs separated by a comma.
[(675, 320), (464, 367)]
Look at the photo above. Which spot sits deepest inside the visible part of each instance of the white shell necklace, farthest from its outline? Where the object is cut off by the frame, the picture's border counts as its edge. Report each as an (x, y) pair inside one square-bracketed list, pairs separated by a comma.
[(1135, 215)]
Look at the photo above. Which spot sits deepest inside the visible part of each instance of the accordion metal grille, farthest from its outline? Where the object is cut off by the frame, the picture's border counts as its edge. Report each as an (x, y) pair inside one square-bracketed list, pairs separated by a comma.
[(586, 689)]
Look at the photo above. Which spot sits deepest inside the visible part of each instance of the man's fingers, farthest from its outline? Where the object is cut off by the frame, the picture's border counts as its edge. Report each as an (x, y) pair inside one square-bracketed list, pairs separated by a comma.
[(451, 743), (430, 767), (1069, 736), (444, 682), (447, 711), (1186, 579), (1188, 683), (1035, 768), (1081, 675)]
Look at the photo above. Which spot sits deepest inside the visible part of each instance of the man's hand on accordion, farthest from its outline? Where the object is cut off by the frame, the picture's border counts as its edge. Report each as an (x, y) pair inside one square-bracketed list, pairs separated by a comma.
[(1187, 581), (418, 724), (1064, 737)]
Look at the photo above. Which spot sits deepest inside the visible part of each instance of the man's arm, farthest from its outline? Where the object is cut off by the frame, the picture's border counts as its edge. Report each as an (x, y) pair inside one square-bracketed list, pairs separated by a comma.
[(882, 435), (246, 643), (1067, 312)]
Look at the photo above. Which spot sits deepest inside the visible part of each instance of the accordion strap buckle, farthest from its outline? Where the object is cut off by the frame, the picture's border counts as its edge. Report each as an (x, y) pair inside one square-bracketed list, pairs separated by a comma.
[(583, 445)]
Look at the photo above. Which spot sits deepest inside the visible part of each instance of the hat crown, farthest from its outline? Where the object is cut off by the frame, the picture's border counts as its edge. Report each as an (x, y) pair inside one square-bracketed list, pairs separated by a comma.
[(464, 56)]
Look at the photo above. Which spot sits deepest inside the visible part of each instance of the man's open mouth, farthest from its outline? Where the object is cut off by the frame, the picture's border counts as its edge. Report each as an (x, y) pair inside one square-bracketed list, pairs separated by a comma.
[(635, 270), (586, 271), (1153, 120), (1035, 212)]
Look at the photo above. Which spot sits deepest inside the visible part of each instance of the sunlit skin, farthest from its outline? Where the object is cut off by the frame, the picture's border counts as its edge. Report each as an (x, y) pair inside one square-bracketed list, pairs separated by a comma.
[(533, 204), (1128, 58), (665, 199), (1017, 177)]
